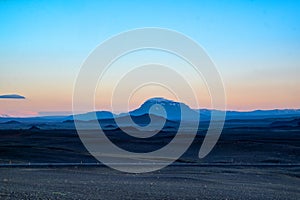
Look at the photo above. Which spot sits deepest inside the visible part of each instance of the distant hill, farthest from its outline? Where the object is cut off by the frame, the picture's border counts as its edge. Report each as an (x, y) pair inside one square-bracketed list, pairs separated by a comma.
[(30, 120), (263, 114), (12, 122), (91, 116), (34, 128), (286, 123)]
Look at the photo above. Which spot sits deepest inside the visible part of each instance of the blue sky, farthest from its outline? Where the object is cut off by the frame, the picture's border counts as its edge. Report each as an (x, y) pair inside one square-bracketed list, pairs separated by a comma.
[(255, 45)]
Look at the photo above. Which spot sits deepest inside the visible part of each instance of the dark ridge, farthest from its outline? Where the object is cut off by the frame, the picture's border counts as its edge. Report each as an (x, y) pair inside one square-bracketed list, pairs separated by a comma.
[(110, 127), (286, 123), (73, 121), (12, 122), (68, 121), (34, 128)]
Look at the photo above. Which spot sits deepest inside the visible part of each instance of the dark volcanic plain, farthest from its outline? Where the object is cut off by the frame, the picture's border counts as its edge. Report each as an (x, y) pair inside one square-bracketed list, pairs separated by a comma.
[(173, 182), (252, 160)]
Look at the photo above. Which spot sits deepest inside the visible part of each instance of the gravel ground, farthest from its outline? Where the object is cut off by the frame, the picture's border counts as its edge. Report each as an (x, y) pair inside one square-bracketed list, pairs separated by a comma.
[(173, 182)]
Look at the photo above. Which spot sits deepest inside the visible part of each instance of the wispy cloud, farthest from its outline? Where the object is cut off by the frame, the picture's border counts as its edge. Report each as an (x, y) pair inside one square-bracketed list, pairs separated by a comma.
[(11, 96)]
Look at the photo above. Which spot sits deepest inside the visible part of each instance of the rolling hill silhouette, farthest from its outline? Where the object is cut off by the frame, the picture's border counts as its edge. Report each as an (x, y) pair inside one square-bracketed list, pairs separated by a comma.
[(160, 107)]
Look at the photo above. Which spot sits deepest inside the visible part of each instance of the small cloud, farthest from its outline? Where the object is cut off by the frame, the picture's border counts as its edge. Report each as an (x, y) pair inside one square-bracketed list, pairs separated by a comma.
[(11, 96)]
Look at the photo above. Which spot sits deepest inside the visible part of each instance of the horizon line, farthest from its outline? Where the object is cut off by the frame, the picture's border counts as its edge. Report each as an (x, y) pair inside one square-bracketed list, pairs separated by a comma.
[(70, 113)]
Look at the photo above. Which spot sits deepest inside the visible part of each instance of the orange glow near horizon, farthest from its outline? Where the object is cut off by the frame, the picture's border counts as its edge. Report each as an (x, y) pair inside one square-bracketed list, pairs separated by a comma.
[(239, 99)]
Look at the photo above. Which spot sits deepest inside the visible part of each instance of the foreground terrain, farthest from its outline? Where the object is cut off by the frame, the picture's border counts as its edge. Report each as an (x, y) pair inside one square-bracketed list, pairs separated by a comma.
[(173, 182), (257, 159)]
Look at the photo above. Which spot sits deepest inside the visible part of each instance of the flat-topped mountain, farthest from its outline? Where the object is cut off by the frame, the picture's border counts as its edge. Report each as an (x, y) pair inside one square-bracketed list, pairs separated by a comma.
[(166, 108)]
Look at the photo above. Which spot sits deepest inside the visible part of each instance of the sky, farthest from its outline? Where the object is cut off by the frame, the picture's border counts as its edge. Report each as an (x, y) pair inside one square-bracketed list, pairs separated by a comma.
[(255, 45)]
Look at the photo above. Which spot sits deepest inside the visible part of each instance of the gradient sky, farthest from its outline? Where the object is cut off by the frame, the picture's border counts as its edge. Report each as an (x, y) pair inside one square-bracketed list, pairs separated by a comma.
[(254, 44)]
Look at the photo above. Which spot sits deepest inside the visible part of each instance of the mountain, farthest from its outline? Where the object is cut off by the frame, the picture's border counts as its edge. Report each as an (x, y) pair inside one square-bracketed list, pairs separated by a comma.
[(91, 116), (168, 109)]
